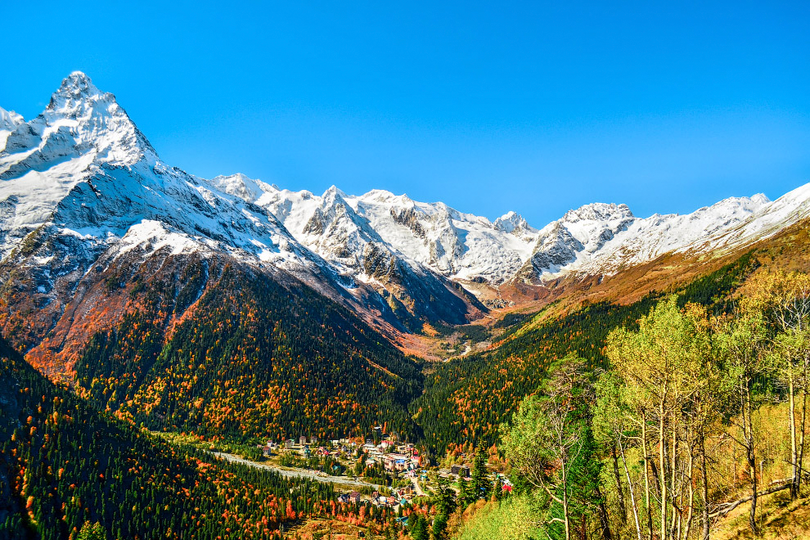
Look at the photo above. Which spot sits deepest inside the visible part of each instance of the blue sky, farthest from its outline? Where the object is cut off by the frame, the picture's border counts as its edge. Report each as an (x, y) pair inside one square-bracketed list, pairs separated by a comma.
[(536, 107)]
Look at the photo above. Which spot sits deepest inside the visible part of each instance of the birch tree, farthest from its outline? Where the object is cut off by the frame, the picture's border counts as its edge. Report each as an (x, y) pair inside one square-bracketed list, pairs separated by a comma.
[(660, 368), (785, 299), (741, 344)]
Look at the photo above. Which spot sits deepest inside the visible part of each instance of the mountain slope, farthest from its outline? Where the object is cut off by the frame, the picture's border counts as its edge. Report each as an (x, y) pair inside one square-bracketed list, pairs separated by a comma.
[(467, 399), (253, 358), (334, 227), (80, 183)]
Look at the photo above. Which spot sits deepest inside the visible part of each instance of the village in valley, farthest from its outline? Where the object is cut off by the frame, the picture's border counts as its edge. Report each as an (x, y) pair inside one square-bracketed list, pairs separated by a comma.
[(383, 471)]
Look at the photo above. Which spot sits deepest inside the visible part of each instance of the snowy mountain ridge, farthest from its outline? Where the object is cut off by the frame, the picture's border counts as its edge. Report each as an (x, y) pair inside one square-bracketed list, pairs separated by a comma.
[(84, 184), (83, 167), (597, 238)]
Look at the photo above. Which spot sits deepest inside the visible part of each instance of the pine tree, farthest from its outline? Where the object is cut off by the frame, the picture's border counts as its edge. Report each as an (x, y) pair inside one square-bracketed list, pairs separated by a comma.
[(420, 529), (480, 484)]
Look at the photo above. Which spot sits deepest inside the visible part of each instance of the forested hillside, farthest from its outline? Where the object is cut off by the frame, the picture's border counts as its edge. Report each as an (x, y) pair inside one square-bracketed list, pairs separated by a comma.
[(64, 467), (254, 359), (697, 415), (466, 400)]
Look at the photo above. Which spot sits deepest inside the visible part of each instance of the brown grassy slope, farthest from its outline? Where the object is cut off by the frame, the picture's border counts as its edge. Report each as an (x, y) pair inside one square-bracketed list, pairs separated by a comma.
[(779, 519)]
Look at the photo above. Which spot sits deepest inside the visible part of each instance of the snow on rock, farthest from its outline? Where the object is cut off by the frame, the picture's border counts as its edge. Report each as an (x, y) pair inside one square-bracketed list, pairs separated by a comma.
[(453, 244), (241, 186), (9, 121), (80, 119), (597, 238), (612, 239)]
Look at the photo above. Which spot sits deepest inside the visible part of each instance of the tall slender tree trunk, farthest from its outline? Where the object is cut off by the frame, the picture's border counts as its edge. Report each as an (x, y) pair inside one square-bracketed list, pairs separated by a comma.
[(705, 473), (690, 468), (631, 490), (604, 518), (662, 463), (803, 427), (583, 529), (794, 454), (564, 474), (752, 459), (647, 501), (673, 474), (617, 475)]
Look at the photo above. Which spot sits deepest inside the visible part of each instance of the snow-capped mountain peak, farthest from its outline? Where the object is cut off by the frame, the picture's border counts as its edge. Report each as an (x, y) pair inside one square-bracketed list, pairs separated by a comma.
[(242, 186), (80, 121), (333, 196), (760, 199), (386, 197), (75, 89), (598, 212), (513, 223)]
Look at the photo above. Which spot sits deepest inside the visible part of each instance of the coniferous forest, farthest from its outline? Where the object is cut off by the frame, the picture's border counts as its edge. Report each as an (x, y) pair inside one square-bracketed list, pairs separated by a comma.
[(67, 469), (255, 360)]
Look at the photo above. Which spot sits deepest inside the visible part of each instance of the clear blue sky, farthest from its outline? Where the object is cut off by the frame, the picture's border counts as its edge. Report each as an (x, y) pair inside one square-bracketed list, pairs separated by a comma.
[(536, 107)]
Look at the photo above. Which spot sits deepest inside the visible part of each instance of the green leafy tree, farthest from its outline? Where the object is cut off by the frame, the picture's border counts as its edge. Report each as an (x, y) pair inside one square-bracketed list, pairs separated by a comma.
[(660, 367), (784, 298), (547, 441), (741, 344)]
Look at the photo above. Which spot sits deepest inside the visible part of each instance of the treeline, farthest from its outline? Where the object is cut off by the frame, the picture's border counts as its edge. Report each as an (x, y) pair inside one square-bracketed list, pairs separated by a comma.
[(466, 400), (255, 359), (68, 472), (697, 413)]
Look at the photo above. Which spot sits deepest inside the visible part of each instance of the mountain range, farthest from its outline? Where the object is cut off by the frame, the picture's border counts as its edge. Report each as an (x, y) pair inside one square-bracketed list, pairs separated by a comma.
[(96, 229)]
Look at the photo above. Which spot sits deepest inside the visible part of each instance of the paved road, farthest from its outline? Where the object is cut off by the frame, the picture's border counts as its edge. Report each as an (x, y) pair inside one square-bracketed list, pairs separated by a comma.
[(297, 473)]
